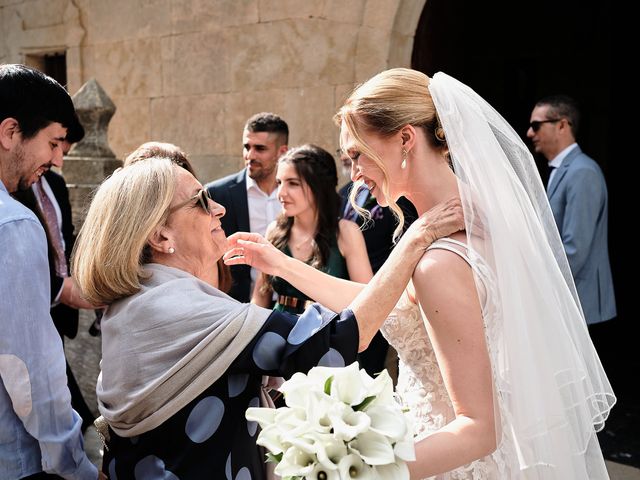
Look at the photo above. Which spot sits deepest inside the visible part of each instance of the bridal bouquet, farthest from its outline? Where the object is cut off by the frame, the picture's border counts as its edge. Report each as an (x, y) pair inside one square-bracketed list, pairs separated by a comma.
[(339, 424)]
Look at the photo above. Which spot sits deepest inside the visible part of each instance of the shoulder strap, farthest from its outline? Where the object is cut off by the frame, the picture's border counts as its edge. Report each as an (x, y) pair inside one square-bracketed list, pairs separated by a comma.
[(451, 245)]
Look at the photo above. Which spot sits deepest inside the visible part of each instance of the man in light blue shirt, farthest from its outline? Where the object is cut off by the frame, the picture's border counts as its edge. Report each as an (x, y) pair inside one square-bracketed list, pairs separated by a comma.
[(39, 431)]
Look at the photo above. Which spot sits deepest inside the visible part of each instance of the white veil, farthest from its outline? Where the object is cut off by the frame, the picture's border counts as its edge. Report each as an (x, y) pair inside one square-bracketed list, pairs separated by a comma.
[(551, 390)]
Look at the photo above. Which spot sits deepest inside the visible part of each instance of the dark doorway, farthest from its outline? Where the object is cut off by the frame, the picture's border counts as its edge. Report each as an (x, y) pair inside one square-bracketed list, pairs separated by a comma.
[(53, 64), (513, 53)]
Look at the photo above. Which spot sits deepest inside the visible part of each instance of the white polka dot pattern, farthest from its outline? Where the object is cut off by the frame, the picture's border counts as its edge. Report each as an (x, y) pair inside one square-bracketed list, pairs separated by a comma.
[(237, 384), (151, 467), (204, 419), (252, 427), (332, 358), (243, 474), (268, 351), (308, 323)]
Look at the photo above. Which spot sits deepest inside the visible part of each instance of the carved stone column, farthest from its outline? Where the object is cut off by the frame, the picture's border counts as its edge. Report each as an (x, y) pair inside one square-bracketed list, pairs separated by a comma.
[(91, 160)]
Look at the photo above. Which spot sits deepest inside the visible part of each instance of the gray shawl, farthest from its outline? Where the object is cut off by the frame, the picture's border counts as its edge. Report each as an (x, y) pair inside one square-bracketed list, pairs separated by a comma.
[(164, 345)]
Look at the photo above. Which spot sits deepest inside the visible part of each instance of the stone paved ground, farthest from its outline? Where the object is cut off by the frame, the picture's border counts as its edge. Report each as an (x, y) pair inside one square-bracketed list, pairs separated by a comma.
[(84, 356)]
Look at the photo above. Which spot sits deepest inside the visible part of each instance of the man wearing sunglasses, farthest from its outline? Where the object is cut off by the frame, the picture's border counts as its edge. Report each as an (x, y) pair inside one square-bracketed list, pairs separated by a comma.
[(578, 196)]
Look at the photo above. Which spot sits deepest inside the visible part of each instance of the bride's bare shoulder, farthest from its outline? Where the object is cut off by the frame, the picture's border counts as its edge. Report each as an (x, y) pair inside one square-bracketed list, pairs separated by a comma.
[(441, 263)]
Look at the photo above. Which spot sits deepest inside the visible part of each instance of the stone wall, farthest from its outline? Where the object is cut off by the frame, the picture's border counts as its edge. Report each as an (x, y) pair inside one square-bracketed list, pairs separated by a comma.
[(191, 72)]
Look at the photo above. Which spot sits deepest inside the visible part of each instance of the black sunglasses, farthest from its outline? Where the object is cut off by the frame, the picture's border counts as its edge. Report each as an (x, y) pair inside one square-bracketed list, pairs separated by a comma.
[(535, 125), (203, 201)]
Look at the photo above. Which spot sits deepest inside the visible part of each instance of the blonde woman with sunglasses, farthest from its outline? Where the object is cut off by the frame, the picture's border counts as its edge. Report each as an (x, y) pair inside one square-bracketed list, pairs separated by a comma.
[(181, 360)]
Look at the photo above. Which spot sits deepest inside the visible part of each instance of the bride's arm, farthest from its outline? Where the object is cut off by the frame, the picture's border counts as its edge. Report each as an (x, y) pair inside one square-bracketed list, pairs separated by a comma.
[(447, 294), (371, 304), (252, 249)]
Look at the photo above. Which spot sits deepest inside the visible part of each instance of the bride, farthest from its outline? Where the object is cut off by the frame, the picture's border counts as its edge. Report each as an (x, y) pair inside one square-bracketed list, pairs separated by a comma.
[(496, 363)]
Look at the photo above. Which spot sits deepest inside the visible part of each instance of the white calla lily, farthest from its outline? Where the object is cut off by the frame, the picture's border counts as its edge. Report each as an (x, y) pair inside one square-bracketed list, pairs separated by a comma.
[(264, 416), (352, 466), (271, 439), (307, 442), (347, 424), (320, 472), (318, 407), (392, 471), (290, 418), (387, 421), (348, 385), (375, 449), (295, 462), (329, 451), (405, 450), (382, 389)]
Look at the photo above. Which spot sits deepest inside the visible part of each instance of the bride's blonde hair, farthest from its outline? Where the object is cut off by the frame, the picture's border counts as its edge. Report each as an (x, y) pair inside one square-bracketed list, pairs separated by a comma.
[(383, 105)]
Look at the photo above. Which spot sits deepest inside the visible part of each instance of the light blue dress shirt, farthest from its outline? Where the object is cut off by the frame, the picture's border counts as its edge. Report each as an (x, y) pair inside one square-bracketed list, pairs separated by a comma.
[(38, 428)]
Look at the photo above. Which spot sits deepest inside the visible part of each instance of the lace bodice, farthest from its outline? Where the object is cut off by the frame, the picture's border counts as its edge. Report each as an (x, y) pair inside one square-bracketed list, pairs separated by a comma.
[(420, 384)]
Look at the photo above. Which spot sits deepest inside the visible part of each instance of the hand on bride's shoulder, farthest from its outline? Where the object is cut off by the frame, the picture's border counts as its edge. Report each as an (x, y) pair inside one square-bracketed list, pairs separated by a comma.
[(440, 221)]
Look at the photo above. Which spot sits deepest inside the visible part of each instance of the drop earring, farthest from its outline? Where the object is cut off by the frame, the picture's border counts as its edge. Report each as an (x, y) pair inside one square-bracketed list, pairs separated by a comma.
[(403, 165)]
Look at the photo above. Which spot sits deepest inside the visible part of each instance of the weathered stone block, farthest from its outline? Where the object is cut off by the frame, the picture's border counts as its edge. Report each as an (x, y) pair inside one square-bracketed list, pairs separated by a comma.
[(212, 167), (42, 13), (205, 15), (128, 68), (381, 13), (119, 20), (130, 126), (270, 10), (195, 63), (195, 123), (313, 55), (372, 52)]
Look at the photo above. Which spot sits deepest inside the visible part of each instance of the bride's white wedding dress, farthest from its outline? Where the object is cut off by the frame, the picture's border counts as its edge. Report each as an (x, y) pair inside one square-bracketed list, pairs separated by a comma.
[(420, 383)]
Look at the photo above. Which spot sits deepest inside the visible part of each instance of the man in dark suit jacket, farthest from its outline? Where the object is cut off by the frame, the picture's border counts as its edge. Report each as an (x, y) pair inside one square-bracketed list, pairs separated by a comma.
[(65, 296), (249, 196), (378, 237)]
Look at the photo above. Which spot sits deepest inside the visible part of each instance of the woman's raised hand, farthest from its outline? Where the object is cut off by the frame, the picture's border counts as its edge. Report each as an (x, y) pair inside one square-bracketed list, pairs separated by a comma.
[(253, 249), (442, 220)]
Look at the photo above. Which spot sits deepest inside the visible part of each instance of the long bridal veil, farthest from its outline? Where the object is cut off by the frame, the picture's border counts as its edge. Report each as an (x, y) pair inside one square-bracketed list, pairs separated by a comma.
[(552, 393)]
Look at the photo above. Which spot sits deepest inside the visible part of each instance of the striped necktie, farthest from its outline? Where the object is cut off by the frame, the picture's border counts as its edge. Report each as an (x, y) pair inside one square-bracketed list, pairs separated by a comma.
[(53, 229)]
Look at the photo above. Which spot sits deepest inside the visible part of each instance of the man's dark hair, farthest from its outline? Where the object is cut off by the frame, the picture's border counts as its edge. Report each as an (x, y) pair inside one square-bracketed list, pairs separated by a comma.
[(563, 106), (269, 122), (36, 100)]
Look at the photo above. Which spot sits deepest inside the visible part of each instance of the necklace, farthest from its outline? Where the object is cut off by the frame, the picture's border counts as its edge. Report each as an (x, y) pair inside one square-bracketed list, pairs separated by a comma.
[(302, 243)]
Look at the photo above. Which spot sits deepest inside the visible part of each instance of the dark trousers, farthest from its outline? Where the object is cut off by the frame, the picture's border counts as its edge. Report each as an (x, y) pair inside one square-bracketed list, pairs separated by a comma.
[(609, 342), (77, 400)]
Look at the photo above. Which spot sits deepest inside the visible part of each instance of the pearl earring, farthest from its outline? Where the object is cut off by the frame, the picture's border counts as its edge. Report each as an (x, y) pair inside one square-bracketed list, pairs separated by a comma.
[(172, 250), (403, 165)]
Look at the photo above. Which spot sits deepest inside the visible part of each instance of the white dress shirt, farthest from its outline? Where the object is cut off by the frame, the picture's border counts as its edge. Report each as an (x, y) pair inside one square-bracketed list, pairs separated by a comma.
[(263, 209), (557, 161)]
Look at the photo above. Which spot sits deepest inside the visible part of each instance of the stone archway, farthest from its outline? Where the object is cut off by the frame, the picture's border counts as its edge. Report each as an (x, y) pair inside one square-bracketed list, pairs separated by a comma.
[(385, 37)]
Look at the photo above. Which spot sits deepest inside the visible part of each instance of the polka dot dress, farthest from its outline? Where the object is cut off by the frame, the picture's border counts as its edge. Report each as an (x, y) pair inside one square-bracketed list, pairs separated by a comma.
[(210, 437)]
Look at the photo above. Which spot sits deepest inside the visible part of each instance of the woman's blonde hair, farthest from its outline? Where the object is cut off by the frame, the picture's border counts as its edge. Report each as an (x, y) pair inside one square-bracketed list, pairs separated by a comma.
[(112, 245), (382, 106)]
